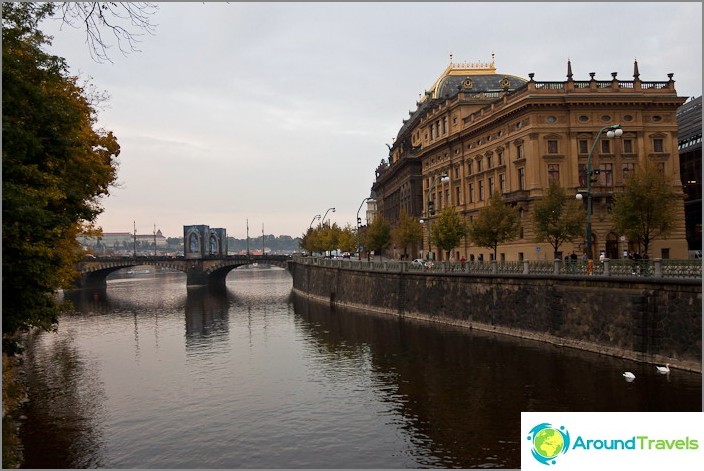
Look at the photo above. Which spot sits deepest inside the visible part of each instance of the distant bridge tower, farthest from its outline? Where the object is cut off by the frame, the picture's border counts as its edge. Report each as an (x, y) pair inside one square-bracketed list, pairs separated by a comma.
[(200, 241)]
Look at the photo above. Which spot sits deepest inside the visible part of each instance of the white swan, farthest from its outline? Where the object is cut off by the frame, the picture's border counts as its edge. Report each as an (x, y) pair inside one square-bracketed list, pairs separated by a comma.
[(663, 370), (629, 376)]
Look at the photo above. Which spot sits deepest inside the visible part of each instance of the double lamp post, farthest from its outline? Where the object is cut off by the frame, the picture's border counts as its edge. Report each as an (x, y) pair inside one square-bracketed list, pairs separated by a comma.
[(611, 132), (443, 177)]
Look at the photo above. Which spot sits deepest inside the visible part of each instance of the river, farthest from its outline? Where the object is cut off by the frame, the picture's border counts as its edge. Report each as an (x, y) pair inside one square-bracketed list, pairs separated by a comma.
[(151, 374)]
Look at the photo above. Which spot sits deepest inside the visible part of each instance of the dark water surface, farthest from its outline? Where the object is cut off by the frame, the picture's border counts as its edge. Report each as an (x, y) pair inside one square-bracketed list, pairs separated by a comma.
[(151, 374)]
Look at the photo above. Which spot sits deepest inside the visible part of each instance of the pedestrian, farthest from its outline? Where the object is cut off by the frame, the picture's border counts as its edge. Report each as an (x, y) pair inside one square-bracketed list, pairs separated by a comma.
[(462, 260)]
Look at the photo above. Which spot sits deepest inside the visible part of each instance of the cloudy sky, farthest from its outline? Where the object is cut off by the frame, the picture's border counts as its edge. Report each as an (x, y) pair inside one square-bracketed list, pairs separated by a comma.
[(275, 112)]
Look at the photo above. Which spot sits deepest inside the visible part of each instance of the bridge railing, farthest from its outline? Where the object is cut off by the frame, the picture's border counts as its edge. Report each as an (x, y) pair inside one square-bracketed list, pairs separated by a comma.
[(652, 268)]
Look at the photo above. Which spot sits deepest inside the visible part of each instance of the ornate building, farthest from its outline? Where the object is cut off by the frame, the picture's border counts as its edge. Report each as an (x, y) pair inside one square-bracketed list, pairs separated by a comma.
[(476, 131), (689, 120)]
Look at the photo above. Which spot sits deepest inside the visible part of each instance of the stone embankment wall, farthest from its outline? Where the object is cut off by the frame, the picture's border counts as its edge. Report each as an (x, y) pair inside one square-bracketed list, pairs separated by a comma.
[(649, 320)]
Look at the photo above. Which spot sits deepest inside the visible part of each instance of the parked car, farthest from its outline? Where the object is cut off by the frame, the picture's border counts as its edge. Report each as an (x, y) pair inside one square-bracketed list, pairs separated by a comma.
[(418, 262)]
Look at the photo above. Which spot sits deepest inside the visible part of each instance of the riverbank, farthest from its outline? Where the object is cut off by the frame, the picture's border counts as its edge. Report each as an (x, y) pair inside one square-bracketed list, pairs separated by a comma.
[(649, 320)]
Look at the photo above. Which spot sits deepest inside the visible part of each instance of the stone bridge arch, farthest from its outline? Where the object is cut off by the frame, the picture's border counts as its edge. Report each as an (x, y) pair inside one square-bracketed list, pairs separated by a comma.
[(199, 272)]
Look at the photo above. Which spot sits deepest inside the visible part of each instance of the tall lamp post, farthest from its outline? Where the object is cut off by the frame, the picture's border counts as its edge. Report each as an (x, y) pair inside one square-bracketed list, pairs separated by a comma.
[(359, 224), (611, 131), (326, 213), (443, 177), (317, 216)]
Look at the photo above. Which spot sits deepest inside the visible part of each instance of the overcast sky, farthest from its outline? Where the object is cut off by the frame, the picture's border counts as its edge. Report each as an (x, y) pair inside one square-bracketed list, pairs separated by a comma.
[(275, 112)]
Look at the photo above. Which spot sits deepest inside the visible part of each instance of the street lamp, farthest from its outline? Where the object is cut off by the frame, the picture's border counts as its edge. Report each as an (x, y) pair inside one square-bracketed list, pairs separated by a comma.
[(359, 223), (326, 213), (443, 177), (317, 216), (611, 131)]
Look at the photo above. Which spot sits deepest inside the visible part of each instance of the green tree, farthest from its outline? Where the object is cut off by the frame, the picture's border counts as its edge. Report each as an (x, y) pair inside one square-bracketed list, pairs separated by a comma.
[(558, 218), (448, 230), (495, 224), (378, 236), (347, 239), (56, 166), (647, 208), (407, 231)]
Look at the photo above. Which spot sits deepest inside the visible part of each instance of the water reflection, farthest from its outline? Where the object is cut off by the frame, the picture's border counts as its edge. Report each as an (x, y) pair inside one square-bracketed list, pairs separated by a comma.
[(71, 409), (152, 374), (206, 314), (462, 392)]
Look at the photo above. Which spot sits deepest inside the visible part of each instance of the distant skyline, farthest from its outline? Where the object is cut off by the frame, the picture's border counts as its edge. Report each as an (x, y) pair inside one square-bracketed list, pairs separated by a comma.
[(276, 112)]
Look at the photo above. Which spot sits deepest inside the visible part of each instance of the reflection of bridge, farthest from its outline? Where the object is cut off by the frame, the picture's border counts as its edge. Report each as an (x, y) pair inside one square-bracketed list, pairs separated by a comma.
[(200, 272)]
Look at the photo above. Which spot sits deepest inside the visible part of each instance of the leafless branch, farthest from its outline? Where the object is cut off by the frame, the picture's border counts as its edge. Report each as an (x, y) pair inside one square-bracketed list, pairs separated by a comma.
[(127, 21)]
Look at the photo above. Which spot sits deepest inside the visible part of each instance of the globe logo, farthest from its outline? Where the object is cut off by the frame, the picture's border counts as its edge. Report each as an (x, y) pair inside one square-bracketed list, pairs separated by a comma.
[(548, 442)]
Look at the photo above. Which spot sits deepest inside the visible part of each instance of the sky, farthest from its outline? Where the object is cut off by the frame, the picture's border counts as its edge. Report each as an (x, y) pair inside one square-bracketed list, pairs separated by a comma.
[(268, 114)]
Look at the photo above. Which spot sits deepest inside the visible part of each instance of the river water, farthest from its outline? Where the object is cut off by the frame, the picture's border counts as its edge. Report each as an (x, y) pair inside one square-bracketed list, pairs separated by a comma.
[(151, 374)]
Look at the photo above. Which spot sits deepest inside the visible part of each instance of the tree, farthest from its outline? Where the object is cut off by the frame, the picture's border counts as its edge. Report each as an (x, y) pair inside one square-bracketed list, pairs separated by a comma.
[(407, 232), (647, 208), (557, 218), (127, 21), (55, 165), (448, 230), (495, 224), (378, 236), (347, 239)]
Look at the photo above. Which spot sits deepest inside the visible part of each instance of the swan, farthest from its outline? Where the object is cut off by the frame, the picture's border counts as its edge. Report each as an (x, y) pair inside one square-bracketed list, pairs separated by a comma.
[(629, 376), (664, 369)]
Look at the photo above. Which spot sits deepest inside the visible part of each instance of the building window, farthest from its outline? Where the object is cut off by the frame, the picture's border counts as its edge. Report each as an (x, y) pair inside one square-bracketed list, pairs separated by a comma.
[(501, 157), (628, 146), (431, 132), (658, 145), (519, 151), (479, 165), (661, 167), (554, 173), (627, 170), (469, 167), (437, 128), (490, 161), (502, 183), (606, 177), (444, 125), (457, 195), (552, 146), (522, 178), (583, 146), (471, 192), (491, 186), (481, 190), (605, 146)]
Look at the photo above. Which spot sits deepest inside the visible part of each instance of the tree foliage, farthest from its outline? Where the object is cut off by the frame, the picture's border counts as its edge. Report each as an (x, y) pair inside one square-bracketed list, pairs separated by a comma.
[(378, 236), (647, 208), (448, 230), (558, 218), (327, 237), (406, 232), (56, 167), (495, 224)]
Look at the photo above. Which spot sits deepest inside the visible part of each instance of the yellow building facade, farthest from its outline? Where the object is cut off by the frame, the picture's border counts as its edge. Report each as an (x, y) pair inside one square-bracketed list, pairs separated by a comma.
[(476, 131)]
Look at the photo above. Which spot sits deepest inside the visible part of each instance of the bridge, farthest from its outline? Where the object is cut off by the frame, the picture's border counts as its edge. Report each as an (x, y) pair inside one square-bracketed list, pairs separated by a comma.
[(208, 270)]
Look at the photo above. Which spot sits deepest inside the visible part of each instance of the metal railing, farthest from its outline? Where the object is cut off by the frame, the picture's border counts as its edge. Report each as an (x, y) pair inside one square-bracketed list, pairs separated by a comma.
[(652, 268)]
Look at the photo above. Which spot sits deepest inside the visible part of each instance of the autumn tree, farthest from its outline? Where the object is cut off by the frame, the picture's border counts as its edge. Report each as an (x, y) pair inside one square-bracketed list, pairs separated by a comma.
[(378, 235), (448, 230), (56, 166), (495, 224), (557, 218), (647, 207), (407, 231)]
